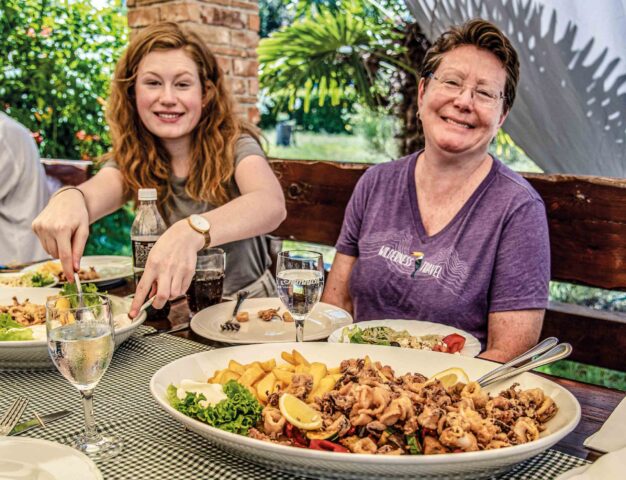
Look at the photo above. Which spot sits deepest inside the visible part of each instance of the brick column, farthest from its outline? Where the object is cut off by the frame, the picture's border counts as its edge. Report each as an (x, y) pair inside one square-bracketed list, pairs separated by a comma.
[(230, 29)]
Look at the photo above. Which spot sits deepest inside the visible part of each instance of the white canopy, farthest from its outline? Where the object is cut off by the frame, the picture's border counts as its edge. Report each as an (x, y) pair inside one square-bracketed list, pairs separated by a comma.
[(570, 111)]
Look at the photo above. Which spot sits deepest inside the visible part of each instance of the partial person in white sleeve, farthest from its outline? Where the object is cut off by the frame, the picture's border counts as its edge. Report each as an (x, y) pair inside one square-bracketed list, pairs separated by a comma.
[(173, 128), (23, 193)]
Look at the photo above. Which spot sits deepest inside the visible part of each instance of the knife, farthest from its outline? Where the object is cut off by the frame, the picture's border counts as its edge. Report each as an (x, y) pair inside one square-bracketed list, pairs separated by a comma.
[(178, 328), (34, 422)]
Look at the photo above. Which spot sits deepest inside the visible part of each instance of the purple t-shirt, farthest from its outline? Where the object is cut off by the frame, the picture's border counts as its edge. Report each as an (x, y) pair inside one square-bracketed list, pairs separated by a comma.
[(493, 255)]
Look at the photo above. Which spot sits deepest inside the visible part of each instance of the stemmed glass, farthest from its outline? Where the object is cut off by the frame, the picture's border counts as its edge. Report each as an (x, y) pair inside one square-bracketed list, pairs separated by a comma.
[(300, 280), (81, 343)]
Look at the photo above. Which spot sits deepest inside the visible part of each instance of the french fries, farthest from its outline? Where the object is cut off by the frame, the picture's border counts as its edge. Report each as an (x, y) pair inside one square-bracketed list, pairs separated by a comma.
[(265, 378)]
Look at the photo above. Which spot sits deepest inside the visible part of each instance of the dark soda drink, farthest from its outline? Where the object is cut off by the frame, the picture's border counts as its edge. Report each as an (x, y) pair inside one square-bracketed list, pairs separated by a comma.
[(205, 290)]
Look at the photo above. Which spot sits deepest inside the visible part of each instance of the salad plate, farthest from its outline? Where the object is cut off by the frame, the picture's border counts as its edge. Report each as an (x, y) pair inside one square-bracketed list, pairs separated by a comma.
[(29, 354), (28, 279), (414, 328), (31, 458), (111, 269), (465, 465), (321, 322)]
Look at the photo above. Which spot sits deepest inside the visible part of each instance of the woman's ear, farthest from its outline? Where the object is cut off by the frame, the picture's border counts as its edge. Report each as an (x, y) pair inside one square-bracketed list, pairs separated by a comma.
[(420, 93)]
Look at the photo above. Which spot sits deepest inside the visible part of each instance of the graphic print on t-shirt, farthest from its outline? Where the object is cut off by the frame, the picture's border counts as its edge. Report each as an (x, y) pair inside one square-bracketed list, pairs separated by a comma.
[(401, 256)]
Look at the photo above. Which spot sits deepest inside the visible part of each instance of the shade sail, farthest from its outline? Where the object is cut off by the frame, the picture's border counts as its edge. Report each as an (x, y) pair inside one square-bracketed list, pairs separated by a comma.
[(570, 111)]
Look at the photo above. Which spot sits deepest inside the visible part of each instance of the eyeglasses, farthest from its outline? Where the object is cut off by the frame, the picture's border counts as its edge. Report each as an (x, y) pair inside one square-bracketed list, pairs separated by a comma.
[(453, 87)]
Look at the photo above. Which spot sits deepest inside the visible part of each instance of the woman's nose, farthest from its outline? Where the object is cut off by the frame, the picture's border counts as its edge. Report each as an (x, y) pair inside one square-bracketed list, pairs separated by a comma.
[(167, 95), (465, 98)]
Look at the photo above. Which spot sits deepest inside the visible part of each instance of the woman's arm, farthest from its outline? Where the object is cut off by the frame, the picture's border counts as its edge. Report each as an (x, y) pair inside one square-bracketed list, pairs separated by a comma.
[(63, 226), (260, 209), (336, 291), (512, 333)]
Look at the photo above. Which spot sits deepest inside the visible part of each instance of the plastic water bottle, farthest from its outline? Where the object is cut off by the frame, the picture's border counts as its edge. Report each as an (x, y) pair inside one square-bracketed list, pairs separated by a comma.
[(144, 233)]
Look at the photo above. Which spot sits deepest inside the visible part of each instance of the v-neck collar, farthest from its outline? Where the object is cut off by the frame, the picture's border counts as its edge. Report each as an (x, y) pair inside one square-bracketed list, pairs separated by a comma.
[(412, 192)]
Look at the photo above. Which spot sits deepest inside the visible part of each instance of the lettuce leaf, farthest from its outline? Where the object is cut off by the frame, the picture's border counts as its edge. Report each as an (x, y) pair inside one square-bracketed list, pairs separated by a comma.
[(10, 330), (90, 294), (237, 413)]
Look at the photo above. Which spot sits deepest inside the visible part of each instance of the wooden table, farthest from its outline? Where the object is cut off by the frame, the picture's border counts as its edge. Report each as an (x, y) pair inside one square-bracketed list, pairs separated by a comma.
[(596, 403)]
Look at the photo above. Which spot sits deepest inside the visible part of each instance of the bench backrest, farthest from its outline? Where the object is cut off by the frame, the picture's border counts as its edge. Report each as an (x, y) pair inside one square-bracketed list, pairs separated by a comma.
[(587, 221)]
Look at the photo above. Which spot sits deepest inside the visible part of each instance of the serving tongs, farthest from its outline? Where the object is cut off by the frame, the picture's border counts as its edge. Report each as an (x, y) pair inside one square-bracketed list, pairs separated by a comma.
[(547, 351)]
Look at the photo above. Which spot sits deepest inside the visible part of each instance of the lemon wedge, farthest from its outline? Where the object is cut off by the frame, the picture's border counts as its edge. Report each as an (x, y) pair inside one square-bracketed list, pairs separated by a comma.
[(298, 413), (450, 377)]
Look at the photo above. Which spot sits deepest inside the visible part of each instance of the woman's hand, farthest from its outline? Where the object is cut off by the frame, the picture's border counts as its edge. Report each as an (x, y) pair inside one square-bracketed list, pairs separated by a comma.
[(63, 229), (170, 266)]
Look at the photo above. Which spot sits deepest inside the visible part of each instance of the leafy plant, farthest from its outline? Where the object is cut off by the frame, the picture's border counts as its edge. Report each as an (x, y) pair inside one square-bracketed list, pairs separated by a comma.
[(55, 68), (331, 53)]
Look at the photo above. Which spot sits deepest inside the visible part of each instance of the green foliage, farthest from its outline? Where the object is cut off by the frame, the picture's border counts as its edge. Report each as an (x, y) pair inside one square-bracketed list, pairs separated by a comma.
[(55, 68), (597, 298), (56, 64), (319, 119), (513, 156), (586, 373), (331, 53), (111, 234), (379, 129)]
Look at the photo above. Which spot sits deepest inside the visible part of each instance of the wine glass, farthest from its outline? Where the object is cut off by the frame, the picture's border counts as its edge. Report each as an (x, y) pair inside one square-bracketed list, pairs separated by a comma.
[(81, 343), (300, 280)]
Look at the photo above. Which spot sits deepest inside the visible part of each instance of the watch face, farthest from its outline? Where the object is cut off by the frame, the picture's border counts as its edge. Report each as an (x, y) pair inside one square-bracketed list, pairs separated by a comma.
[(200, 222)]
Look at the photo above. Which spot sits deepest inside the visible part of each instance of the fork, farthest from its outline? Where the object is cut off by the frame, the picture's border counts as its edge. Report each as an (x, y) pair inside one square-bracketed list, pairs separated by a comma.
[(232, 325), (12, 415)]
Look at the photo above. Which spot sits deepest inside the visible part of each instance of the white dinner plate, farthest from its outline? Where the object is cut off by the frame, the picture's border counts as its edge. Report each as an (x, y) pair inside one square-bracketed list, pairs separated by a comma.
[(416, 328), (321, 322), (111, 268), (27, 354), (35, 459), (466, 465)]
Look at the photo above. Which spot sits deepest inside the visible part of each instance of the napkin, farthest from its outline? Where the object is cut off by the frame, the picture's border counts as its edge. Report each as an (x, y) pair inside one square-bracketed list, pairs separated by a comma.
[(612, 435), (607, 467)]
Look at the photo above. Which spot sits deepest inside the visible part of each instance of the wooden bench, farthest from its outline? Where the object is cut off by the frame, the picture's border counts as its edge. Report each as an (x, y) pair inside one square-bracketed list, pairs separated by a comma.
[(587, 220)]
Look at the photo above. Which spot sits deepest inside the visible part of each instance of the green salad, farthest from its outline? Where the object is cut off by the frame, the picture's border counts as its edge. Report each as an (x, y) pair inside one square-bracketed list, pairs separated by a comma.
[(10, 330), (34, 279), (91, 296), (237, 413)]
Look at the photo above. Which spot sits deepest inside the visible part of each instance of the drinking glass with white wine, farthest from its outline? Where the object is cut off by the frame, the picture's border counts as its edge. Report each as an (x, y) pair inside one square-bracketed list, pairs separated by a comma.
[(300, 281), (80, 343)]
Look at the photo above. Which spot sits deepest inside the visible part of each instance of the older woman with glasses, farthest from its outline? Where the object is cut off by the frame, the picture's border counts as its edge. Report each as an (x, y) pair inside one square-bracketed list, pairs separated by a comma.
[(449, 234)]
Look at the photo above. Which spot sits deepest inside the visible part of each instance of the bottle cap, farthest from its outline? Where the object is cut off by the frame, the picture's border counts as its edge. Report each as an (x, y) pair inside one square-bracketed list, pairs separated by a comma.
[(147, 194)]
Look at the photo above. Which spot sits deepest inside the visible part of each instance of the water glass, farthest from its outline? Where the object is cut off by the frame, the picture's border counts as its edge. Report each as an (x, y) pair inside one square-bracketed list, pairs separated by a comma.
[(81, 343), (300, 281), (207, 284)]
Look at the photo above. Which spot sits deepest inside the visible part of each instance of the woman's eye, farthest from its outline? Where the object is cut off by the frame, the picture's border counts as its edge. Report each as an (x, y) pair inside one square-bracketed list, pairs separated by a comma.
[(152, 82), (183, 85), (486, 94), (452, 83)]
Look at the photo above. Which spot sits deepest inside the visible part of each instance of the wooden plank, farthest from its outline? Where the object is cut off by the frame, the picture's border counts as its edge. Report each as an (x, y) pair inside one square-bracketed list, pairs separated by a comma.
[(317, 194), (587, 221), (67, 172), (597, 337)]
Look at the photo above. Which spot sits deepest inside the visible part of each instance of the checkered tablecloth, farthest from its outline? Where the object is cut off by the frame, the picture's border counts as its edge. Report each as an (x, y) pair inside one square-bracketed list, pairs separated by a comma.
[(155, 445)]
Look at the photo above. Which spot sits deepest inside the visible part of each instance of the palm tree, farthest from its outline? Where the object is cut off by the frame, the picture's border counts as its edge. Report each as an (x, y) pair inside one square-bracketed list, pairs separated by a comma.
[(357, 49)]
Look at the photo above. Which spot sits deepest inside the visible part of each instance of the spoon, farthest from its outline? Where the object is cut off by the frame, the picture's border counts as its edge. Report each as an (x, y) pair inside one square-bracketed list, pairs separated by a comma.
[(83, 313)]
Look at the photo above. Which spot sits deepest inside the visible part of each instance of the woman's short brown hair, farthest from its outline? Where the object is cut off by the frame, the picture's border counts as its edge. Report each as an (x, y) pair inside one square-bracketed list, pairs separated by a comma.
[(482, 34)]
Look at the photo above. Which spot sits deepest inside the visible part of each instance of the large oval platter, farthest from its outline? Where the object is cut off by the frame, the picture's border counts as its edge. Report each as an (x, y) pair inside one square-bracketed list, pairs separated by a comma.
[(465, 465)]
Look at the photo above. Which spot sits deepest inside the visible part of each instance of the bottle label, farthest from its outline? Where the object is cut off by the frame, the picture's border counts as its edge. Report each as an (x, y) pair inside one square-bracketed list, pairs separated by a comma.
[(140, 253)]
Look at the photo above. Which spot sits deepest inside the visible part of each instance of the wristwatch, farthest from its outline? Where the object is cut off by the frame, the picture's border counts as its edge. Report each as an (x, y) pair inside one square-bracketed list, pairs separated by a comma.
[(202, 226)]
